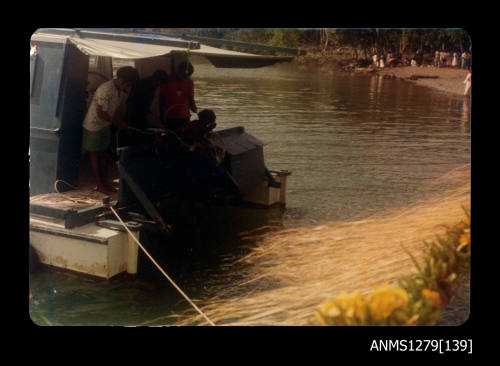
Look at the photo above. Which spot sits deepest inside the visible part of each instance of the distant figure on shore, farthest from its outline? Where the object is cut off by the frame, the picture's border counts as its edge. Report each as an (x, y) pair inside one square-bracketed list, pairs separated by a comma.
[(375, 60), (405, 61), (464, 60), (454, 61), (419, 58), (381, 62), (436, 59), (444, 58), (468, 83), (413, 63)]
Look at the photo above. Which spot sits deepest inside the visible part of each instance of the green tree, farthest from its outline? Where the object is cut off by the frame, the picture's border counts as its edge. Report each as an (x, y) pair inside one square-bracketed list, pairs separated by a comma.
[(284, 37)]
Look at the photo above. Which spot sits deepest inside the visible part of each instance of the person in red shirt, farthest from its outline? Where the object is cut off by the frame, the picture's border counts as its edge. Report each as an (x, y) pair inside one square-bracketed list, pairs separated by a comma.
[(177, 98)]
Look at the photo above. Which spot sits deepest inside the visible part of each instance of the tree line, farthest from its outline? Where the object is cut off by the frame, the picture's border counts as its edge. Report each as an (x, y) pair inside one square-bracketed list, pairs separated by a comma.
[(363, 41)]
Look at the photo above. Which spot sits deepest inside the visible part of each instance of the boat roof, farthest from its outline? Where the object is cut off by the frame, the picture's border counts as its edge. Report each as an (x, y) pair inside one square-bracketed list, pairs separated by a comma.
[(132, 45)]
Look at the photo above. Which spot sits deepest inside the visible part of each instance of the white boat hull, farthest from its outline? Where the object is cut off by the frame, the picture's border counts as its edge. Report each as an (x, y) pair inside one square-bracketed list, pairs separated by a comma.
[(88, 249)]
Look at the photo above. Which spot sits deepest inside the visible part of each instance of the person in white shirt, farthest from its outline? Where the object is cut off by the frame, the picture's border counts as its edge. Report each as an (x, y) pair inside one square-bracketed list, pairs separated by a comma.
[(454, 61), (100, 116), (381, 62)]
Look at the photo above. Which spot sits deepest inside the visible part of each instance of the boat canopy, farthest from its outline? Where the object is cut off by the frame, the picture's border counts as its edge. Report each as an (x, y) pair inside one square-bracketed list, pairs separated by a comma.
[(139, 47)]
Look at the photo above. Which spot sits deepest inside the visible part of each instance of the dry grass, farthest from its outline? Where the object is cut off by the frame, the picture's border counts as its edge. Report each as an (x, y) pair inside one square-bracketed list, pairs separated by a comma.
[(309, 265)]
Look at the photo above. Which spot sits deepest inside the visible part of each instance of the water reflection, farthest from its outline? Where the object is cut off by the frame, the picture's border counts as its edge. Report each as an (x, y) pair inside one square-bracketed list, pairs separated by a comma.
[(365, 133)]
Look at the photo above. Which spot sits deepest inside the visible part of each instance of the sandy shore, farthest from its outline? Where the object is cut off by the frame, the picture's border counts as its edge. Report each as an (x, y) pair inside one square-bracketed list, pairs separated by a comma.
[(450, 80), (446, 79)]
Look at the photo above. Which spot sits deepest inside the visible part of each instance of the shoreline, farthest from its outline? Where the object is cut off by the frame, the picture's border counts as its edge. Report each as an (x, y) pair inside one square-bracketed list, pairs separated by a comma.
[(446, 79)]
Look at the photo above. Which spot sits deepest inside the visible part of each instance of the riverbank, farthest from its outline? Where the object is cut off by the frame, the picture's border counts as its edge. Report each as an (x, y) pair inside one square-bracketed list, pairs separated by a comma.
[(445, 79), (449, 80)]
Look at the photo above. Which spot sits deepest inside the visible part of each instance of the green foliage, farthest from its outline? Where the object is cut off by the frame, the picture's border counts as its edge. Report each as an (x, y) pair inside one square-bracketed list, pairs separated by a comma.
[(259, 35), (362, 41), (369, 40), (284, 37)]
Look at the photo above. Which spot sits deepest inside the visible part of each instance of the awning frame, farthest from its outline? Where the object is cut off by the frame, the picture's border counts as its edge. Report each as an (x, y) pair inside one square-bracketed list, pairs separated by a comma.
[(132, 46)]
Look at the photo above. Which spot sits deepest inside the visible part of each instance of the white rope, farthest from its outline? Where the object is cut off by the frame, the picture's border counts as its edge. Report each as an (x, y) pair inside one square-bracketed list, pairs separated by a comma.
[(62, 181), (85, 200), (161, 270)]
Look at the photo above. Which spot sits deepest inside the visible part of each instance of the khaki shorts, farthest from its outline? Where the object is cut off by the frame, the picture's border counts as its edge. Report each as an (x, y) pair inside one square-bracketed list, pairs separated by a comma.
[(96, 140)]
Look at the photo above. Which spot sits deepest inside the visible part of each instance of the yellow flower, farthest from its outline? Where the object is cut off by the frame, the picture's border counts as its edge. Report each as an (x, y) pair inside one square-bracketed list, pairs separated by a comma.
[(433, 296), (347, 308), (352, 304), (320, 319), (385, 299), (464, 239), (330, 309)]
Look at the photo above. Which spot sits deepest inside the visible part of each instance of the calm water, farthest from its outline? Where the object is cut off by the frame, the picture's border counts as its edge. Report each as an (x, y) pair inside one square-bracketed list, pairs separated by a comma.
[(355, 145)]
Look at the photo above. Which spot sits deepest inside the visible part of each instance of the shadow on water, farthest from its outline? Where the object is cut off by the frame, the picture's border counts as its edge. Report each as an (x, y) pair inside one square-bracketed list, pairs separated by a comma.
[(206, 240)]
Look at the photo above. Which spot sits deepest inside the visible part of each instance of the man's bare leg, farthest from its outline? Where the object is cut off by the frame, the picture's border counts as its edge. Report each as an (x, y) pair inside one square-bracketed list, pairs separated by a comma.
[(96, 166), (107, 172)]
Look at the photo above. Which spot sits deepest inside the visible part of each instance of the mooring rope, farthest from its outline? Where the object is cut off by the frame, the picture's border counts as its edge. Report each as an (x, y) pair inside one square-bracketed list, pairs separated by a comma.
[(160, 269)]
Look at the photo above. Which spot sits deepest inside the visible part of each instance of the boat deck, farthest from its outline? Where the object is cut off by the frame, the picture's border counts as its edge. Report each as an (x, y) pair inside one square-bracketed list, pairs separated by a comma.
[(75, 207), (66, 234), (76, 199)]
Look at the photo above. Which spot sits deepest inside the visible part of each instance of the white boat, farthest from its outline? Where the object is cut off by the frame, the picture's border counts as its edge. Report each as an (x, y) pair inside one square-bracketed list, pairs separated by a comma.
[(70, 226)]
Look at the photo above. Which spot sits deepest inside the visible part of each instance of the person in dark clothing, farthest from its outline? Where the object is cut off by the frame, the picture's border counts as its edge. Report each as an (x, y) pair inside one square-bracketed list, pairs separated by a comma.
[(140, 98), (196, 131), (139, 102)]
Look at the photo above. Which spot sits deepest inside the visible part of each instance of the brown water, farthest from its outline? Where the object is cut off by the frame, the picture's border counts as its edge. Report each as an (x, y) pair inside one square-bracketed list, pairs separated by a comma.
[(358, 147)]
